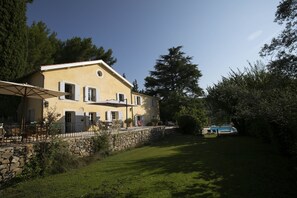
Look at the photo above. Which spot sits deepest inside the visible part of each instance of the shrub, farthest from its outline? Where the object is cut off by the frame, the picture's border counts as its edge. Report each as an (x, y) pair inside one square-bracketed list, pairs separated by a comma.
[(50, 158), (188, 124), (129, 121), (101, 142)]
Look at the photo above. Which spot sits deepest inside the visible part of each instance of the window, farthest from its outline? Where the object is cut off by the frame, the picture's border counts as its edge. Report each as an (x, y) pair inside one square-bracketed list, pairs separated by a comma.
[(99, 73), (92, 94), (70, 88), (113, 115), (138, 100), (121, 97), (92, 118)]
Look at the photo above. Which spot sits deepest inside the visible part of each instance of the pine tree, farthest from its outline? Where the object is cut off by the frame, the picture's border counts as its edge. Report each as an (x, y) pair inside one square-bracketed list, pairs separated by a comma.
[(135, 86), (175, 81)]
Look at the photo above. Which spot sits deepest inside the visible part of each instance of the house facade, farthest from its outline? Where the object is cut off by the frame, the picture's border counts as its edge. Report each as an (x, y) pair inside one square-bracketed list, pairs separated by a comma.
[(96, 92)]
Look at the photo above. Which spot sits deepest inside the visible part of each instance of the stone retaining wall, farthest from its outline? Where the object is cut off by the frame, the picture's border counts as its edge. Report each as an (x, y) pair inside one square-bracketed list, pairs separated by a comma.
[(13, 158)]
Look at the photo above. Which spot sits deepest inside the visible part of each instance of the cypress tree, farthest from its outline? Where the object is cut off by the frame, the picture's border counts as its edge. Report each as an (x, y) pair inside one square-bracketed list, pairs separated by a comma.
[(13, 39)]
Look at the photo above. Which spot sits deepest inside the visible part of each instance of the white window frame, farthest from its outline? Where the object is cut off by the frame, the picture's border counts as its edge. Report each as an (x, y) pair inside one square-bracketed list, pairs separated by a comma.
[(75, 92), (118, 115), (86, 94), (92, 118), (136, 102), (100, 72), (118, 97)]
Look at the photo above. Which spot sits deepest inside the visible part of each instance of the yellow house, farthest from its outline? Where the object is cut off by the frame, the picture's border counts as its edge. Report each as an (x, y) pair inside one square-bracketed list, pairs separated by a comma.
[(96, 92)]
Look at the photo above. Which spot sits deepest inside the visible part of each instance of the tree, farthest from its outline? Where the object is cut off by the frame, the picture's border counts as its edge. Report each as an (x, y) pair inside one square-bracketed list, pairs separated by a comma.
[(13, 49), (77, 49), (283, 67), (283, 48), (135, 86), (175, 81), (43, 46), (13, 39)]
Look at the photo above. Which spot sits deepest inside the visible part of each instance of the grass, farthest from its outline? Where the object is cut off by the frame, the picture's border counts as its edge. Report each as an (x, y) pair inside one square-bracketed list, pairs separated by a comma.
[(181, 166)]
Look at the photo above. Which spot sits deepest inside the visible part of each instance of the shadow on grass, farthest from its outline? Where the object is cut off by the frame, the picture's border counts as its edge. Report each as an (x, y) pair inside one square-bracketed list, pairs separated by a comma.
[(219, 167)]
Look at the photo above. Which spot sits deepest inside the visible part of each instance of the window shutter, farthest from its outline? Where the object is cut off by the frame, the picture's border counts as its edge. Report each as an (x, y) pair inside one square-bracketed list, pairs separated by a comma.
[(97, 116), (120, 115), (142, 120), (77, 92), (108, 116), (117, 97), (86, 94), (140, 100), (135, 100), (97, 95), (124, 98), (135, 120), (62, 89), (87, 119)]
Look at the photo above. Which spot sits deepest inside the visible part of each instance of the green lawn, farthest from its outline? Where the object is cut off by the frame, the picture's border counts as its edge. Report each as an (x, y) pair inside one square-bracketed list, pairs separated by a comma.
[(182, 166)]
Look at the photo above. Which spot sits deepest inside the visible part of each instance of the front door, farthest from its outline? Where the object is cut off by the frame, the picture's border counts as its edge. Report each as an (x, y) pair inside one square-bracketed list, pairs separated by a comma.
[(69, 121), (138, 120)]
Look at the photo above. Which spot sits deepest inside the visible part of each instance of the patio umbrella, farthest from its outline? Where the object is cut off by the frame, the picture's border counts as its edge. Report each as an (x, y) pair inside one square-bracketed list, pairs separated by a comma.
[(27, 91)]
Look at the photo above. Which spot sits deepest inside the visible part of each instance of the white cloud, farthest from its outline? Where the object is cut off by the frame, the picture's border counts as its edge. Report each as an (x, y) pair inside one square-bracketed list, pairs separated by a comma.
[(255, 35)]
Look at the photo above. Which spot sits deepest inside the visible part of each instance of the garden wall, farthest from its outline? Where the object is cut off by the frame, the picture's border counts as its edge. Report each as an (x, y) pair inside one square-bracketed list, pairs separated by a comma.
[(13, 158)]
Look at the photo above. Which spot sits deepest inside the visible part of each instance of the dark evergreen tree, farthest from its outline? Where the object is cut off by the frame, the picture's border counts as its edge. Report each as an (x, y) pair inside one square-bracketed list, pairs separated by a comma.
[(13, 49), (135, 86), (13, 39), (43, 46), (78, 49), (175, 81)]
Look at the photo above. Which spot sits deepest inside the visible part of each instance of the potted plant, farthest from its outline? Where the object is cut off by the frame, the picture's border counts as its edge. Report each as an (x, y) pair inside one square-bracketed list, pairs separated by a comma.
[(128, 122)]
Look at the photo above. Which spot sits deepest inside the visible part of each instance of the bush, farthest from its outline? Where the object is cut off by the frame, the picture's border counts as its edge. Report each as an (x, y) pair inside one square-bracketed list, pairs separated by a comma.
[(129, 121), (188, 125), (50, 158), (101, 143)]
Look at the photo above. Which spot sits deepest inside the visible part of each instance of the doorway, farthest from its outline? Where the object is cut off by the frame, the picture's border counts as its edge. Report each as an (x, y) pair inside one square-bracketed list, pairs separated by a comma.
[(69, 121)]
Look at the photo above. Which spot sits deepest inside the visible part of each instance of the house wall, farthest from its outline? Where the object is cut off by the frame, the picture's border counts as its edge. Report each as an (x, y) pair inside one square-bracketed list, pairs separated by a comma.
[(149, 107), (108, 86), (34, 107)]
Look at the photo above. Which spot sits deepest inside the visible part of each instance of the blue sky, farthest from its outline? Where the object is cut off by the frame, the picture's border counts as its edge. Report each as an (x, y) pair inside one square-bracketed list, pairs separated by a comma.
[(219, 34)]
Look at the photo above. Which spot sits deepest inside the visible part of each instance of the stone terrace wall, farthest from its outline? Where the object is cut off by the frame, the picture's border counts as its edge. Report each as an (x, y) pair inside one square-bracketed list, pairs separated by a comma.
[(134, 138), (13, 158)]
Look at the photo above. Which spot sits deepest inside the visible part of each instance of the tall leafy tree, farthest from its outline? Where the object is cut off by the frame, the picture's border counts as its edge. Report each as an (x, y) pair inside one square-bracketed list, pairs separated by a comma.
[(77, 49), (283, 96), (283, 48), (13, 38), (43, 46), (175, 81)]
